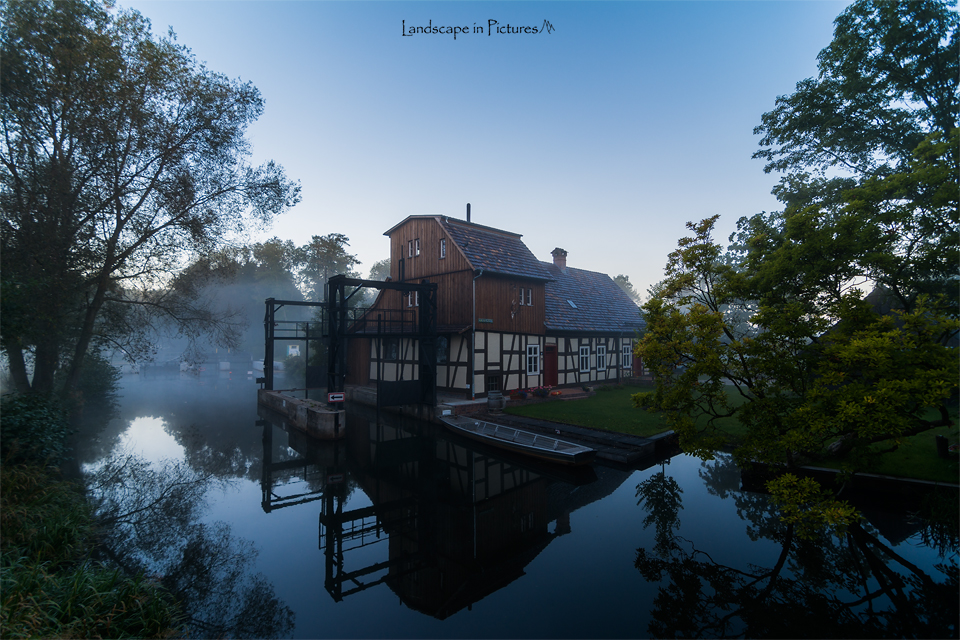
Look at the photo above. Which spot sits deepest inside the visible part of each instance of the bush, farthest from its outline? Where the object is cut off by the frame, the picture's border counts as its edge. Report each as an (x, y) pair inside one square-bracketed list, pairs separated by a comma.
[(33, 429)]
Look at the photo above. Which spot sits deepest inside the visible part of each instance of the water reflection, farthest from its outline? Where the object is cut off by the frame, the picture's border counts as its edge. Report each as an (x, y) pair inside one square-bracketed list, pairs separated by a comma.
[(475, 544), (852, 585), (453, 522), (150, 520)]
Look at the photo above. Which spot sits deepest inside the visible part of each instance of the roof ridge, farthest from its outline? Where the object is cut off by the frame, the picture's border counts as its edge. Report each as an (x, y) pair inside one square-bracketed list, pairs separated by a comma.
[(474, 225)]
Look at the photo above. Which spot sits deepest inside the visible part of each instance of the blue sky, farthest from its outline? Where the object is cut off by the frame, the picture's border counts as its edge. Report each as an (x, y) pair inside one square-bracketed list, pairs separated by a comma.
[(603, 136)]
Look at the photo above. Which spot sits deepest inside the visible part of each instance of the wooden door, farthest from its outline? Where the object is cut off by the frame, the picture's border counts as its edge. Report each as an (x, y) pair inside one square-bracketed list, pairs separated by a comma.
[(550, 365)]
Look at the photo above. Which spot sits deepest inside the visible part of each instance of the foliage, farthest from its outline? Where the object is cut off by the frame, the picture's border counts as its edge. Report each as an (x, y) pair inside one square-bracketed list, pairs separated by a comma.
[(322, 258), (121, 157), (380, 270), (50, 587), (779, 319), (806, 506), (887, 80), (624, 283), (34, 429)]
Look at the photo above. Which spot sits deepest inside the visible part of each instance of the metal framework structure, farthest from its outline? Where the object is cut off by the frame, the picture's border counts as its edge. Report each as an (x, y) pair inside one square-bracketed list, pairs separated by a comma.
[(338, 324)]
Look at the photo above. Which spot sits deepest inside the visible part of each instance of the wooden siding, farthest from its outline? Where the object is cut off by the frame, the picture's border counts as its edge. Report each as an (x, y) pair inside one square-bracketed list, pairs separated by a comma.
[(429, 263), (358, 361), (498, 300)]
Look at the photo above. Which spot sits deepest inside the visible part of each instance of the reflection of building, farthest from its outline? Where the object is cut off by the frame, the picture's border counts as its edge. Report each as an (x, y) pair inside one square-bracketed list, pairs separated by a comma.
[(447, 523), (505, 320)]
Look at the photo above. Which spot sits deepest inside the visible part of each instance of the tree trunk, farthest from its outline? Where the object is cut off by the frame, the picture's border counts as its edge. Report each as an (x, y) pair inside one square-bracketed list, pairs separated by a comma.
[(45, 365), (18, 368), (86, 334)]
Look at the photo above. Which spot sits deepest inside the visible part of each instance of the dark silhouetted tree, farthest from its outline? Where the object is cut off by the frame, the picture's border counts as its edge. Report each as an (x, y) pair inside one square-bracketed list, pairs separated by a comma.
[(121, 158)]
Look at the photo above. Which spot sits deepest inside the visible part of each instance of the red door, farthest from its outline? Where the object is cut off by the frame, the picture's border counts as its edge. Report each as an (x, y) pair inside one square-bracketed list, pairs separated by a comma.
[(550, 365)]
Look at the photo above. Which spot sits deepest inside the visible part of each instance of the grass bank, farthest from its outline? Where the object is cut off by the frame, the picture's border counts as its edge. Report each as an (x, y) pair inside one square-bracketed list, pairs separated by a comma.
[(611, 409), (52, 585)]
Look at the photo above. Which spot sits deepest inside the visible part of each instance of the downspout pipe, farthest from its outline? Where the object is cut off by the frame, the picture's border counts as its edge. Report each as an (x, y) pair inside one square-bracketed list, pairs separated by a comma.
[(473, 340)]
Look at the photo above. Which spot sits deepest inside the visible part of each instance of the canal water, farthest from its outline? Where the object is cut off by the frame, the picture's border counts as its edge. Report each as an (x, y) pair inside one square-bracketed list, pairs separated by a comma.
[(404, 530)]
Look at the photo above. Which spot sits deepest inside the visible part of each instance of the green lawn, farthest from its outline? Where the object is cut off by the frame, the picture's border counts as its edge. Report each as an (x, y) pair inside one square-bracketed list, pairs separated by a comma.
[(917, 457), (611, 409)]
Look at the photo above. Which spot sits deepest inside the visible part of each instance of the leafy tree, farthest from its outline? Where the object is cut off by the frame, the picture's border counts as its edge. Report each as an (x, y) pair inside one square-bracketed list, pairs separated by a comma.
[(321, 258), (380, 270), (121, 157), (775, 333), (624, 283)]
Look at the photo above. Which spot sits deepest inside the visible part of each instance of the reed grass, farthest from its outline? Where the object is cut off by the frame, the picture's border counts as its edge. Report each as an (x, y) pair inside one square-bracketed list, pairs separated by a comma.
[(50, 584)]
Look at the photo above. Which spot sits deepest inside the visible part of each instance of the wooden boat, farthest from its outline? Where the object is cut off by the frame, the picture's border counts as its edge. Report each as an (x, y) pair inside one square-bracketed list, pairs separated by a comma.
[(533, 444)]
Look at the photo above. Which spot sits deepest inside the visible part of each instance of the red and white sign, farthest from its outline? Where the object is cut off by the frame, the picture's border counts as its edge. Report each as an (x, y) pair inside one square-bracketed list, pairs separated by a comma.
[(335, 397)]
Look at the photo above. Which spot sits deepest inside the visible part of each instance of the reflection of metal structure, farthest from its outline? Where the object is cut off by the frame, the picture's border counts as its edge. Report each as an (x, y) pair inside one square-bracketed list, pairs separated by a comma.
[(457, 524), (448, 521), (317, 463), (341, 533)]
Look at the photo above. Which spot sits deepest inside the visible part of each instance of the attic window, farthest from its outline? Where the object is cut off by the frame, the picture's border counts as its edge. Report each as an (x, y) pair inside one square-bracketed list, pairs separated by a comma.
[(443, 247), (572, 304)]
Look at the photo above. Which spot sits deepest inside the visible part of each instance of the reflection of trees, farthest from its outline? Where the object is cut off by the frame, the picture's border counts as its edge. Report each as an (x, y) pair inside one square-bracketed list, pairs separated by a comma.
[(661, 493), (847, 585), (150, 521), (209, 416)]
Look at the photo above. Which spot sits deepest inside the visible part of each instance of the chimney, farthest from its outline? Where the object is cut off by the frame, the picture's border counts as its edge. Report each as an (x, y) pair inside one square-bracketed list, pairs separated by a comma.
[(559, 257), (468, 212)]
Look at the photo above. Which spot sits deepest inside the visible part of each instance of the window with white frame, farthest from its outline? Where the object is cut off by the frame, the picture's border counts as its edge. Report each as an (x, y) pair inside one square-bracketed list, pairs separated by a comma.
[(413, 299), (416, 247), (533, 359), (529, 297), (443, 247), (409, 248), (601, 357), (627, 356), (584, 359), (521, 296)]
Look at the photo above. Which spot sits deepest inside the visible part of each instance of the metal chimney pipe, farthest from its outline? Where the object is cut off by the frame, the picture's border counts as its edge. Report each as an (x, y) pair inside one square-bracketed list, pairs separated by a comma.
[(468, 212)]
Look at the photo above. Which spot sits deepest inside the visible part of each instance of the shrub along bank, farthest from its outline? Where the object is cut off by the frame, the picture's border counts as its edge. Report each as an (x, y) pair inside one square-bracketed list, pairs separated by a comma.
[(51, 581)]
